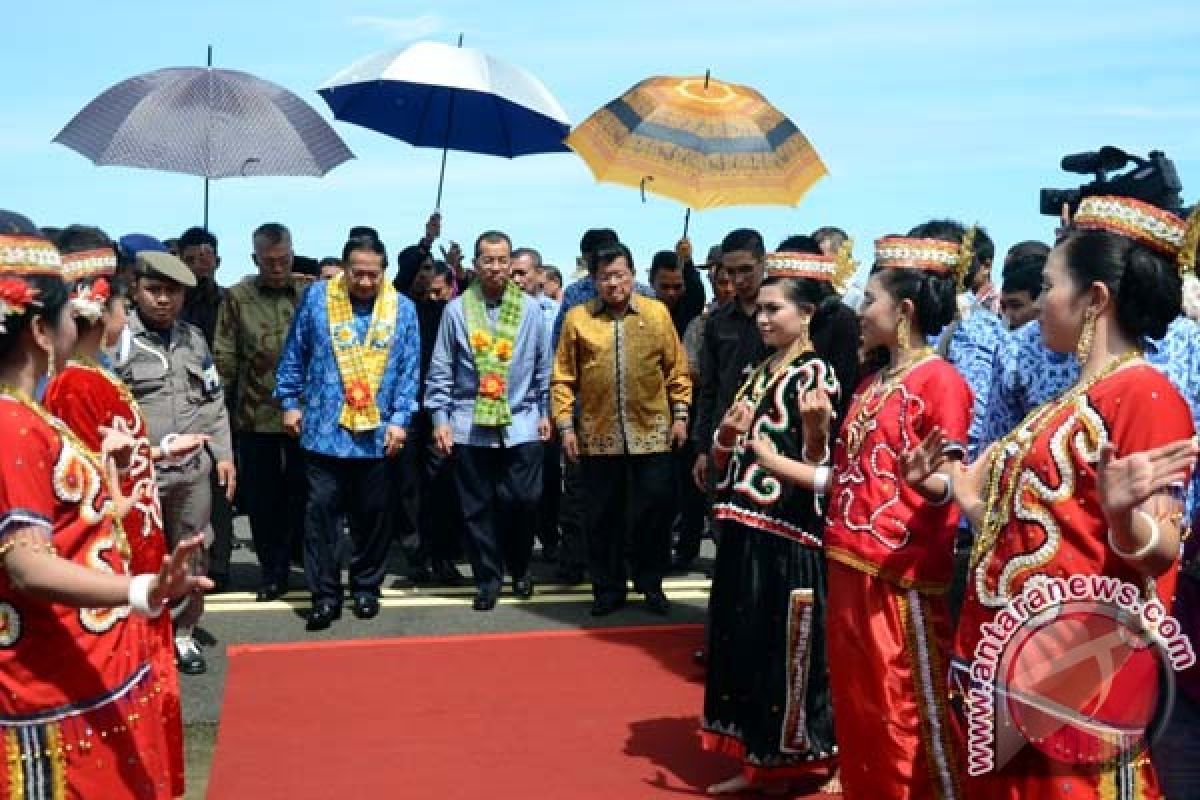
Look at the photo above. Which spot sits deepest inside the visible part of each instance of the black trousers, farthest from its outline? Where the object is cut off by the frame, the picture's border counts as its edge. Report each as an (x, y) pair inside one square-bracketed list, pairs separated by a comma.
[(220, 552), (357, 489), (439, 517), (406, 478), (628, 507), (691, 505), (499, 488), (572, 513), (548, 510), (272, 474)]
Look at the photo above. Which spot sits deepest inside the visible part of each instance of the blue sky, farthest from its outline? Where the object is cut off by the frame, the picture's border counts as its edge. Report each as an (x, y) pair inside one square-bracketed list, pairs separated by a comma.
[(919, 109)]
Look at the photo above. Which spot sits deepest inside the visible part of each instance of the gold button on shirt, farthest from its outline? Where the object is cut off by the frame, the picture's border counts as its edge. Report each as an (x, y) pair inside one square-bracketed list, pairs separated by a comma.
[(629, 375)]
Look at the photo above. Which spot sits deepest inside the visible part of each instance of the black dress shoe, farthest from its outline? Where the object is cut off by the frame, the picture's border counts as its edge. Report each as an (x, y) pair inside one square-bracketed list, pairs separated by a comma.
[(366, 606), (485, 599), (421, 575), (447, 574), (269, 592), (657, 602), (603, 606), (523, 587), (571, 576), (322, 616), (188, 658)]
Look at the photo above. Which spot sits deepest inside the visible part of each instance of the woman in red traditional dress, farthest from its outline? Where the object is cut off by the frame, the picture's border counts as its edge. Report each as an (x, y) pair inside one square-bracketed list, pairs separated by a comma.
[(889, 544), (91, 401), (1063, 637), (78, 683)]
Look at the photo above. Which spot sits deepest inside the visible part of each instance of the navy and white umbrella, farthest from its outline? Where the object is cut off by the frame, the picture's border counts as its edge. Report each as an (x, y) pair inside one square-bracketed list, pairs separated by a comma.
[(213, 123), (453, 98)]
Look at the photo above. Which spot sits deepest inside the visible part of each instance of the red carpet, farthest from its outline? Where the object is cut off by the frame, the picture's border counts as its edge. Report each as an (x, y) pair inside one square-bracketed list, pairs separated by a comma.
[(561, 715)]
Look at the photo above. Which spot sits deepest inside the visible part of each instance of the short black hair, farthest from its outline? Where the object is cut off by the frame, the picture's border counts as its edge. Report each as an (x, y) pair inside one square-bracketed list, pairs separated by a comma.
[(607, 254), (371, 244), (528, 251), (800, 244), (663, 259), (594, 238), (1023, 268), (81, 238), (553, 273), (272, 233), (746, 239), (492, 237), (196, 237), (329, 261)]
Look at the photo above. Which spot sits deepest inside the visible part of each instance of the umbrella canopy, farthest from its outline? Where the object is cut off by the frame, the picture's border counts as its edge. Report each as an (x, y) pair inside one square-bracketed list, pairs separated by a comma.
[(434, 95), (701, 141), (214, 123)]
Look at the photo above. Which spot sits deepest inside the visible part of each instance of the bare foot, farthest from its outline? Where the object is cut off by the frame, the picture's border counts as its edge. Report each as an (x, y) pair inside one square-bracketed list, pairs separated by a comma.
[(734, 785), (833, 785)]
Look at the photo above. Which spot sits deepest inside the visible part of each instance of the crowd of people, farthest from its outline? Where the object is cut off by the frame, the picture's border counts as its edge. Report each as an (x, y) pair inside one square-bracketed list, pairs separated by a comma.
[(884, 478)]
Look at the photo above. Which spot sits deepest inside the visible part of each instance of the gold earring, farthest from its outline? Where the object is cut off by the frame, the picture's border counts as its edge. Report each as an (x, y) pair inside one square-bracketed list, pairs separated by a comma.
[(50, 367), (804, 341), (903, 334), (1083, 349)]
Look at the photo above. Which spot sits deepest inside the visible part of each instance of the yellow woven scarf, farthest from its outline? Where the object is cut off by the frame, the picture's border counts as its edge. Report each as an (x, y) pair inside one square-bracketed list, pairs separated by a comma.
[(361, 364)]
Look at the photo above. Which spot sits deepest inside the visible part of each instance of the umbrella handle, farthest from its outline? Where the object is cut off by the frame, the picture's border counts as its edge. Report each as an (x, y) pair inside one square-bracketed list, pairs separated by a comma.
[(687, 218)]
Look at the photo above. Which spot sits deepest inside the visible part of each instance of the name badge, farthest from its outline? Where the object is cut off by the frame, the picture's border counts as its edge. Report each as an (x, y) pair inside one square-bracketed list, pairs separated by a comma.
[(212, 378)]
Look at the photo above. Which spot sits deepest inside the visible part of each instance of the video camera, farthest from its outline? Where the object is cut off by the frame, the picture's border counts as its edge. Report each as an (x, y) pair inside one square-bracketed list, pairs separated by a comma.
[(1152, 180)]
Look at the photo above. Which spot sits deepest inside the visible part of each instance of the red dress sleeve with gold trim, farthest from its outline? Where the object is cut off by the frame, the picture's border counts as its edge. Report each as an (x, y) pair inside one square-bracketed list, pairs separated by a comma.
[(86, 399), (26, 496)]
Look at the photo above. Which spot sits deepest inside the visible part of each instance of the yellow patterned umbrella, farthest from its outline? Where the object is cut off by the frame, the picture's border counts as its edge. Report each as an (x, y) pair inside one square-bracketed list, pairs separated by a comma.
[(701, 141)]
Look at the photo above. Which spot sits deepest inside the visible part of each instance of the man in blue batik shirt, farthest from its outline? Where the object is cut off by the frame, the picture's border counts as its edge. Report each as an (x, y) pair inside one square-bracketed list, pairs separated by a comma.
[(1028, 374), (347, 382)]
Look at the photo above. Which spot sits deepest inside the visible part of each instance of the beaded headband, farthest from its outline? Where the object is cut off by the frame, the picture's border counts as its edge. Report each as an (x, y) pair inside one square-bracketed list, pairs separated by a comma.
[(89, 264), (22, 254), (1149, 225), (836, 270), (930, 255)]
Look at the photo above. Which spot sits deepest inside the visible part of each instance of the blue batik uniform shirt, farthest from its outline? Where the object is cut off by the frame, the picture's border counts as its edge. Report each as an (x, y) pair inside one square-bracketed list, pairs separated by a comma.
[(453, 383), (972, 349), (307, 376), (1028, 374)]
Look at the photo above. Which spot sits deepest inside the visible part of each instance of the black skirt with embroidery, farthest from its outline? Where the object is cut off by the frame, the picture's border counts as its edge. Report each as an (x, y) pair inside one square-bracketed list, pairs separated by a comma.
[(766, 697)]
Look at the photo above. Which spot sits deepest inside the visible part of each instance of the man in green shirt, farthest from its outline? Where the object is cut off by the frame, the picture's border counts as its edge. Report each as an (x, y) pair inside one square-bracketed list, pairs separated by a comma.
[(252, 325)]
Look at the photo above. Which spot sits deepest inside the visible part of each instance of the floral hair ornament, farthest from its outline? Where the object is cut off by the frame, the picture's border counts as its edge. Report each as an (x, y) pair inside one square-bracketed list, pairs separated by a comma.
[(837, 270), (16, 296), (90, 299)]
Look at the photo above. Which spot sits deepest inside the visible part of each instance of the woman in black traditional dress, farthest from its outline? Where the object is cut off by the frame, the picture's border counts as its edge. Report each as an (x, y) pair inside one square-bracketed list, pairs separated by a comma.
[(767, 692)]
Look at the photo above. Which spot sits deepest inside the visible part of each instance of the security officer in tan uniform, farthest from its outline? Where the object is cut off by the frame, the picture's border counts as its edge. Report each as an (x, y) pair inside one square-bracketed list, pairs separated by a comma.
[(168, 367)]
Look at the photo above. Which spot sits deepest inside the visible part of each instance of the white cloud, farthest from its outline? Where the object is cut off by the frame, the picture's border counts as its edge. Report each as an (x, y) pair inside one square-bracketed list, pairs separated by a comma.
[(402, 28)]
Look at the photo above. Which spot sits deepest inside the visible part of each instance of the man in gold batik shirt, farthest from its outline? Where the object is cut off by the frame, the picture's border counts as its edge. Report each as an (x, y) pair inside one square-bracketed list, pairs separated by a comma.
[(621, 360)]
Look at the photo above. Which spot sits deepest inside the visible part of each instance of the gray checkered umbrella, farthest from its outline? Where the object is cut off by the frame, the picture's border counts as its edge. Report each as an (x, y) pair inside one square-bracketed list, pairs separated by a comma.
[(215, 123)]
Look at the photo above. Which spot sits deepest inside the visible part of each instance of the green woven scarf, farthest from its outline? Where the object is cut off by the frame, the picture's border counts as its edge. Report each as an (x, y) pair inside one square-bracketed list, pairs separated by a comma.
[(493, 350)]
